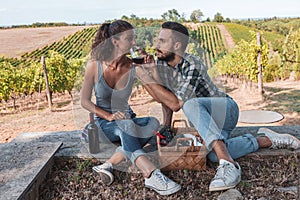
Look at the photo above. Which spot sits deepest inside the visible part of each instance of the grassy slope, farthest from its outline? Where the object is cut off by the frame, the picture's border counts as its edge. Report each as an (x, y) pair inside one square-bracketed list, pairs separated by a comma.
[(240, 32)]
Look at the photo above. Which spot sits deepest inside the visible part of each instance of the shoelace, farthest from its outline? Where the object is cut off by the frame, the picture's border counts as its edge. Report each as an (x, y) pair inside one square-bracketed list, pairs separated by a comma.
[(161, 178), (277, 144), (222, 171)]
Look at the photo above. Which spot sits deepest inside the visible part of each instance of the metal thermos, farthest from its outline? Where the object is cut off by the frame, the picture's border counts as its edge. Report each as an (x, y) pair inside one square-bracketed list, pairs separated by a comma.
[(93, 136)]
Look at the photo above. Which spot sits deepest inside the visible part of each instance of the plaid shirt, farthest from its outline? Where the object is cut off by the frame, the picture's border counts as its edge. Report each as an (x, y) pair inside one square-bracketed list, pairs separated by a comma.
[(188, 79)]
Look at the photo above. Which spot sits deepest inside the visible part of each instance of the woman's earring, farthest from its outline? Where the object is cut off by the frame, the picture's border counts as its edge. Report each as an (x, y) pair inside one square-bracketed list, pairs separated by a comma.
[(115, 43)]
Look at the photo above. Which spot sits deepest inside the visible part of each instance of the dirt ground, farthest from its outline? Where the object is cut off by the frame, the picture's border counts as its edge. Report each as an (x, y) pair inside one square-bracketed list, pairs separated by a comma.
[(14, 42), (263, 178), (66, 112)]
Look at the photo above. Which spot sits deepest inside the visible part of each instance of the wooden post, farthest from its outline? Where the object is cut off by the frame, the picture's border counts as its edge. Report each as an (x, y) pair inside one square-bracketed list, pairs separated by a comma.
[(259, 78), (47, 83)]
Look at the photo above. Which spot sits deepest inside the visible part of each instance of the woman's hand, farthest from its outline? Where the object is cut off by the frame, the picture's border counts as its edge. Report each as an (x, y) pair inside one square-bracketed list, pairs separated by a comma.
[(116, 116)]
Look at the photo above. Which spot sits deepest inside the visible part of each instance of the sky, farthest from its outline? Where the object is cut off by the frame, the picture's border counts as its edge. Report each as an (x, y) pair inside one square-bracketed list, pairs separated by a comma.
[(19, 12)]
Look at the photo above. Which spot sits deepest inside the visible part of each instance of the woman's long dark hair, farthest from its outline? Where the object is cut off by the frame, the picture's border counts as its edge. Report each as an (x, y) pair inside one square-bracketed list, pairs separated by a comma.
[(102, 46)]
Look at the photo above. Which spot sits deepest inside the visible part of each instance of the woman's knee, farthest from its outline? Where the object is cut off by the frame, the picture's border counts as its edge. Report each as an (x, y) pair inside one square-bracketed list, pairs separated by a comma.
[(154, 120), (154, 123), (147, 121)]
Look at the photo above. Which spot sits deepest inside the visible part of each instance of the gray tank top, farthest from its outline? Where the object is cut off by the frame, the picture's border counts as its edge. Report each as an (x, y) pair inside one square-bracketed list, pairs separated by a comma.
[(112, 100)]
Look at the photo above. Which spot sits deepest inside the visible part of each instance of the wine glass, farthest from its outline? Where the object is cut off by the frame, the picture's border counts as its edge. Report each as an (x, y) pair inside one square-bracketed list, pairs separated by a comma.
[(136, 55)]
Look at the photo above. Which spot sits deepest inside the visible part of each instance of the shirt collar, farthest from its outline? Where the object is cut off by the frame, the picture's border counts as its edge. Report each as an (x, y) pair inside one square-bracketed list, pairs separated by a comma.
[(181, 63)]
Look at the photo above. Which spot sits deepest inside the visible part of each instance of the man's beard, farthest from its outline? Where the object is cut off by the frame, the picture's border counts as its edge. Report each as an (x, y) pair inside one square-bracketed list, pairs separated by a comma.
[(170, 56)]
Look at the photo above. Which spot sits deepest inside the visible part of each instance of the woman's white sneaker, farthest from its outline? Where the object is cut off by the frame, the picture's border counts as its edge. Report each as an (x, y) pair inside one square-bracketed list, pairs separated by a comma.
[(228, 176), (161, 184), (105, 172), (280, 141)]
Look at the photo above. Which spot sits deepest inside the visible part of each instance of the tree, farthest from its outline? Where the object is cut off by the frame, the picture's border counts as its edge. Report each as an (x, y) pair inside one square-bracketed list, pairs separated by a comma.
[(57, 67), (124, 17), (196, 16), (218, 17), (171, 15), (6, 80), (291, 53), (145, 36), (228, 20), (182, 18), (241, 62)]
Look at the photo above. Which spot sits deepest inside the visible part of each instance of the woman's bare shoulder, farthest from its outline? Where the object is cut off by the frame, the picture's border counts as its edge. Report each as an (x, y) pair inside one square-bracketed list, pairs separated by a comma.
[(91, 65)]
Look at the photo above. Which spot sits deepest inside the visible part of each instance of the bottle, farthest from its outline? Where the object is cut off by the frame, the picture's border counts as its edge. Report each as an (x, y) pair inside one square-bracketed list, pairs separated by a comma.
[(93, 136)]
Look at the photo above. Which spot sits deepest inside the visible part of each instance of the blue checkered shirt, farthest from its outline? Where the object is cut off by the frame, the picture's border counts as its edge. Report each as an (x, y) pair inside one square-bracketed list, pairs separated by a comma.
[(188, 79)]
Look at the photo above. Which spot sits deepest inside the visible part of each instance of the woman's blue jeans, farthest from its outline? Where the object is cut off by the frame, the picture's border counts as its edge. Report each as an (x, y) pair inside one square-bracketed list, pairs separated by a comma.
[(214, 118), (132, 133)]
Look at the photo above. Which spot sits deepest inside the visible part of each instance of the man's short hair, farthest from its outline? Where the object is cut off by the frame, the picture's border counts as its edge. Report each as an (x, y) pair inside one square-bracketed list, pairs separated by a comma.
[(180, 32)]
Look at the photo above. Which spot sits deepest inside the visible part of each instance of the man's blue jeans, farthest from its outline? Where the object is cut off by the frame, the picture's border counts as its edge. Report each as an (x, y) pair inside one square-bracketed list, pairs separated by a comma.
[(214, 118), (132, 133)]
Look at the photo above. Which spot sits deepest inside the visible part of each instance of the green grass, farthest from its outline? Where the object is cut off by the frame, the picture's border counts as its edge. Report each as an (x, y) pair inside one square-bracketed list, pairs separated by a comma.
[(240, 32), (270, 36)]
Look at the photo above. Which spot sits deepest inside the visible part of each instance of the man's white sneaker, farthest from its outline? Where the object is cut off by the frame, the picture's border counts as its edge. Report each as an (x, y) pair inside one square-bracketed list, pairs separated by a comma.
[(105, 172), (161, 184), (227, 176), (280, 141)]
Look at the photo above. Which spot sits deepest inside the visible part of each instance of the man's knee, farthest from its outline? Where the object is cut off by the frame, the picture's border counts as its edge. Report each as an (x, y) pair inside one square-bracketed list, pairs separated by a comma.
[(189, 105)]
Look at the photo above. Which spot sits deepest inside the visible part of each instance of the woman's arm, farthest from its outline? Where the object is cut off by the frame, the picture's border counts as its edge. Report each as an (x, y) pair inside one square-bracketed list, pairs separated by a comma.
[(90, 78)]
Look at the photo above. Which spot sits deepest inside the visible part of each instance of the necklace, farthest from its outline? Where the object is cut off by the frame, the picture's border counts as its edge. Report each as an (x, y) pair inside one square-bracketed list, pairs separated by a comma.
[(111, 66)]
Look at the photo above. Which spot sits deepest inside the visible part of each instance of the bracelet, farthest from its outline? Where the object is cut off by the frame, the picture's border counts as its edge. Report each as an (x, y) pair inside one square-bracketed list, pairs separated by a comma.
[(146, 71), (145, 76)]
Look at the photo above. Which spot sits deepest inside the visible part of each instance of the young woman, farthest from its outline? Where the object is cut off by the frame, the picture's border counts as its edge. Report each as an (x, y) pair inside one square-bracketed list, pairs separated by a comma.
[(111, 74)]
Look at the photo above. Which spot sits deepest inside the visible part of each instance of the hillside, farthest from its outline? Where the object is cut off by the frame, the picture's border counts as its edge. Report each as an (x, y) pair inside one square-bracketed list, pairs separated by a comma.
[(17, 41), (240, 32)]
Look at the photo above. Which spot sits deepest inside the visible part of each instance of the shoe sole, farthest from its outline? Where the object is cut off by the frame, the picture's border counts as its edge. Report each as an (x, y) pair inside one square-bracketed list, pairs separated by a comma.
[(106, 176), (269, 131), (220, 188), (224, 187), (165, 192)]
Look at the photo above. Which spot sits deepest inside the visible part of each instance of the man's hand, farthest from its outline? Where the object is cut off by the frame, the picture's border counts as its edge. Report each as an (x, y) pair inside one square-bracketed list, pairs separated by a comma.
[(148, 59)]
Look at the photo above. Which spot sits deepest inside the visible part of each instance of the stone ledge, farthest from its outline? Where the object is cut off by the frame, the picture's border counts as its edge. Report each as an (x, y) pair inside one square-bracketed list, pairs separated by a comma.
[(23, 166), (71, 140), (74, 146)]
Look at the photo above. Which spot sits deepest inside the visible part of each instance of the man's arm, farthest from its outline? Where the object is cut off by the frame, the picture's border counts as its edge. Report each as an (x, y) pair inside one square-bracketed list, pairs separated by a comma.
[(158, 92), (167, 114), (164, 96)]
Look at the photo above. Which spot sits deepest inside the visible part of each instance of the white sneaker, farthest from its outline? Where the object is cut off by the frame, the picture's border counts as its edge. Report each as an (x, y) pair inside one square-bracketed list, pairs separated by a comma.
[(227, 176), (105, 172), (280, 141), (161, 184)]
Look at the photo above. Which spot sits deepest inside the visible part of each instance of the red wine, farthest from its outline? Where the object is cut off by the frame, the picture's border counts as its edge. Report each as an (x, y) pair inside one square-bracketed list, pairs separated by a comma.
[(138, 60)]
